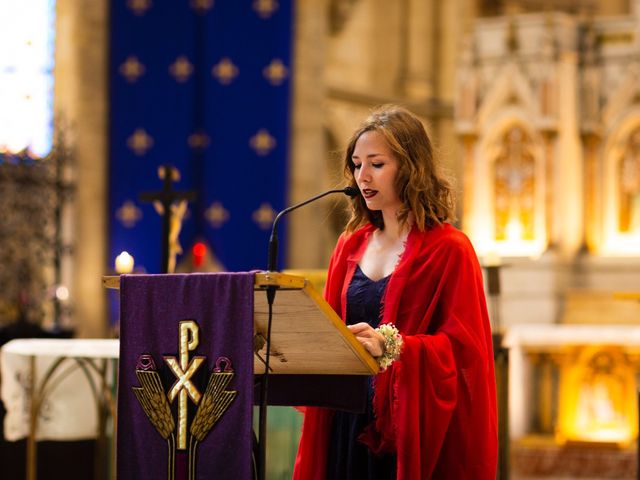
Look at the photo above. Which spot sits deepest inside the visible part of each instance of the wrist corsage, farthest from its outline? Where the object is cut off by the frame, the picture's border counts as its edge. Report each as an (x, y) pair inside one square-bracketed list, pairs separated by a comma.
[(392, 345)]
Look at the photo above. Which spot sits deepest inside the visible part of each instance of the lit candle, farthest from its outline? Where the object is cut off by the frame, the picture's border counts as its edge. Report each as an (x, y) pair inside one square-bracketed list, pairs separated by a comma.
[(124, 263), (62, 293)]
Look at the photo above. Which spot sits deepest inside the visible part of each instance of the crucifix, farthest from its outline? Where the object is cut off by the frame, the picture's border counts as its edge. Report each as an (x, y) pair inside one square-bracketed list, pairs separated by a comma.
[(172, 206)]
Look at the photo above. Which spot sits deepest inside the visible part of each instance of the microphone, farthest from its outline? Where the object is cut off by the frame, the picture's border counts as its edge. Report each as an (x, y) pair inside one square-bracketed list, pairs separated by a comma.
[(273, 239), (271, 293)]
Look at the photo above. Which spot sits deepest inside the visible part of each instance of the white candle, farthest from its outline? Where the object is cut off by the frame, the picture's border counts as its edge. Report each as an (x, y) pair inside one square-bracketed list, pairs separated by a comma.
[(124, 263)]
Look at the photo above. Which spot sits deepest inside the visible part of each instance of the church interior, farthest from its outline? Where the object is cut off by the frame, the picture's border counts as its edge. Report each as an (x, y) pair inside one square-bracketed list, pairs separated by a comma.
[(115, 112)]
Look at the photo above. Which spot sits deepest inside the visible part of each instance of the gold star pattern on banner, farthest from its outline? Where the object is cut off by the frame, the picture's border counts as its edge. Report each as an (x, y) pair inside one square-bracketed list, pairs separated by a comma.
[(128, 214), (264, 216), (216, 215), (201, 6), (262, 142), (132, 69), (181, 69), (265, 8), (225, 71), (139, 7), (275, 72), (140, 141), (198, 140)]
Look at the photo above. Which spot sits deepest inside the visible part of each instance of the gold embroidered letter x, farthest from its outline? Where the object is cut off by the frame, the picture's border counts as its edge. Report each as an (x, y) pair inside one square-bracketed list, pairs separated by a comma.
[(184, 371)]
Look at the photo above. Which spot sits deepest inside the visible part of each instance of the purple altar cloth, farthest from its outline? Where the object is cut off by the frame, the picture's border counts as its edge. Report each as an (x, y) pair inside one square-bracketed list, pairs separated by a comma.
[(215, 313)]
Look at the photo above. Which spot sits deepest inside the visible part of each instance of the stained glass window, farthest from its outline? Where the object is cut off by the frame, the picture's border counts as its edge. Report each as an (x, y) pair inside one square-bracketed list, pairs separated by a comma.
[(27, 38)]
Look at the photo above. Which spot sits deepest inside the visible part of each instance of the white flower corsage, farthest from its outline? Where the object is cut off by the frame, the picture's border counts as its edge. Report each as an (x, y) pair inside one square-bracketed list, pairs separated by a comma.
[(392, 345)]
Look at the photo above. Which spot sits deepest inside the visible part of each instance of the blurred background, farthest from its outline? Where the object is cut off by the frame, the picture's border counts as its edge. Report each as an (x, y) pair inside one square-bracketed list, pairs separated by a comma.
[(534, 109)]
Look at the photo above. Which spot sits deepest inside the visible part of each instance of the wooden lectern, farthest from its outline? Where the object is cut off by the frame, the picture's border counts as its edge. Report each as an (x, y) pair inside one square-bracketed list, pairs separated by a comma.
[(314, 359)]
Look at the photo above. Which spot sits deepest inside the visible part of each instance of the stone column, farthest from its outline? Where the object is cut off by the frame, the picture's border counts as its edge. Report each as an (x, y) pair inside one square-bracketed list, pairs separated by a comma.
[(415, 78), (568, 226), (308, 235), (468, 192), (592, 193), (549, 138), (81, 103)]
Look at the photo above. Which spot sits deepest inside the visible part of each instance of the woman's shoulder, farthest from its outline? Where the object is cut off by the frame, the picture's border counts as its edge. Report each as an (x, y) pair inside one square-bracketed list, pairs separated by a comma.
[(448, 237), (444, 232)]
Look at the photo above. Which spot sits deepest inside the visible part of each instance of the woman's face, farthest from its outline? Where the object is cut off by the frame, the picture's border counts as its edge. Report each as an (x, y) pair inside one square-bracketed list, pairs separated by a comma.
[(375, 172)]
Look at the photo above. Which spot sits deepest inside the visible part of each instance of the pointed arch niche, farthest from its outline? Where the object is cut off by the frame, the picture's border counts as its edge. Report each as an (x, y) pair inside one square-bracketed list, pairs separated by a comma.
[(621, 200), (509, 214)]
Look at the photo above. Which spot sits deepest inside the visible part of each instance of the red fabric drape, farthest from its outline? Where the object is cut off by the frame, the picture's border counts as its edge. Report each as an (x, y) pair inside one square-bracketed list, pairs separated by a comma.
[(436, 406)]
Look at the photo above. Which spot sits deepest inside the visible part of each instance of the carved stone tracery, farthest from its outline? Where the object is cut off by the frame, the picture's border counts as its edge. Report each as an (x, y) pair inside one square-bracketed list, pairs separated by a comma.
[(514, 187)]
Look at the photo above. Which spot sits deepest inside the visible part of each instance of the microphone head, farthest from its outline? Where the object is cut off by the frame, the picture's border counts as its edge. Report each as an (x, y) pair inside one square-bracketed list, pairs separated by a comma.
[(351, 191)]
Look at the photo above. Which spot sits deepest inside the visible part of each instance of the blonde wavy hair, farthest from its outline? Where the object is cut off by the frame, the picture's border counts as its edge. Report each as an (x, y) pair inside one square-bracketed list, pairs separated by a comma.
[(421, 186)]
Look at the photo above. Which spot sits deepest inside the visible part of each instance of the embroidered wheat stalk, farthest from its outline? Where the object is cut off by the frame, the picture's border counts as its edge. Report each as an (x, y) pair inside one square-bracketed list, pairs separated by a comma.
[(214, 403), (154, 402)]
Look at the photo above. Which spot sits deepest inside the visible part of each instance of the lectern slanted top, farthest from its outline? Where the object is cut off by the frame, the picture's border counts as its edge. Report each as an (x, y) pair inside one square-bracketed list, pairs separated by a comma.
[(307, 335)]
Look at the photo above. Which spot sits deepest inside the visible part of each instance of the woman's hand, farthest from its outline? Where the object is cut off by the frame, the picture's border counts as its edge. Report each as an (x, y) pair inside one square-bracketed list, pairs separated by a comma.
[(371, 340)]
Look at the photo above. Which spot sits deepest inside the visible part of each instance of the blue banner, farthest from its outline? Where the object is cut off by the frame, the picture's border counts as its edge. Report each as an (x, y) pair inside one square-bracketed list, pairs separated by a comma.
[(204, 86)]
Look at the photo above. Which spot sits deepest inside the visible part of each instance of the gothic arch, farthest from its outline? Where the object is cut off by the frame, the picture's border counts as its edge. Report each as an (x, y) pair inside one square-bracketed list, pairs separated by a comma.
[(509, 213), (621, 186)]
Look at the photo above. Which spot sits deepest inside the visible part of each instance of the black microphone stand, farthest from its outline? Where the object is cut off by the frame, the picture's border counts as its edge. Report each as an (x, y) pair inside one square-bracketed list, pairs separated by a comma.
[(271, 295)]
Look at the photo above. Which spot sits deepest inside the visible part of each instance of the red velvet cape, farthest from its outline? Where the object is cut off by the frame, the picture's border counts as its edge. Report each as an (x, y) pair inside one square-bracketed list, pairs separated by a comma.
[(435, 407)]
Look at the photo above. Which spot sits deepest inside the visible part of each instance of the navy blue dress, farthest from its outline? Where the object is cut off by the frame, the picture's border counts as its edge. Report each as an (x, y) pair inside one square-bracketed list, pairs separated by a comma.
[(347, 458)]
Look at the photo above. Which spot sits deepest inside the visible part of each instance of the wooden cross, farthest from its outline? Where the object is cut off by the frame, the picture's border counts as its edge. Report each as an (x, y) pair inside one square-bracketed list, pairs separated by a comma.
[(166, 198)]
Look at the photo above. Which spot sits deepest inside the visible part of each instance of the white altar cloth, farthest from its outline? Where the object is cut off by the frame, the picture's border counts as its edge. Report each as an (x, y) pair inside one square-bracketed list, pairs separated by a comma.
[(68, 410), (553, 335)]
